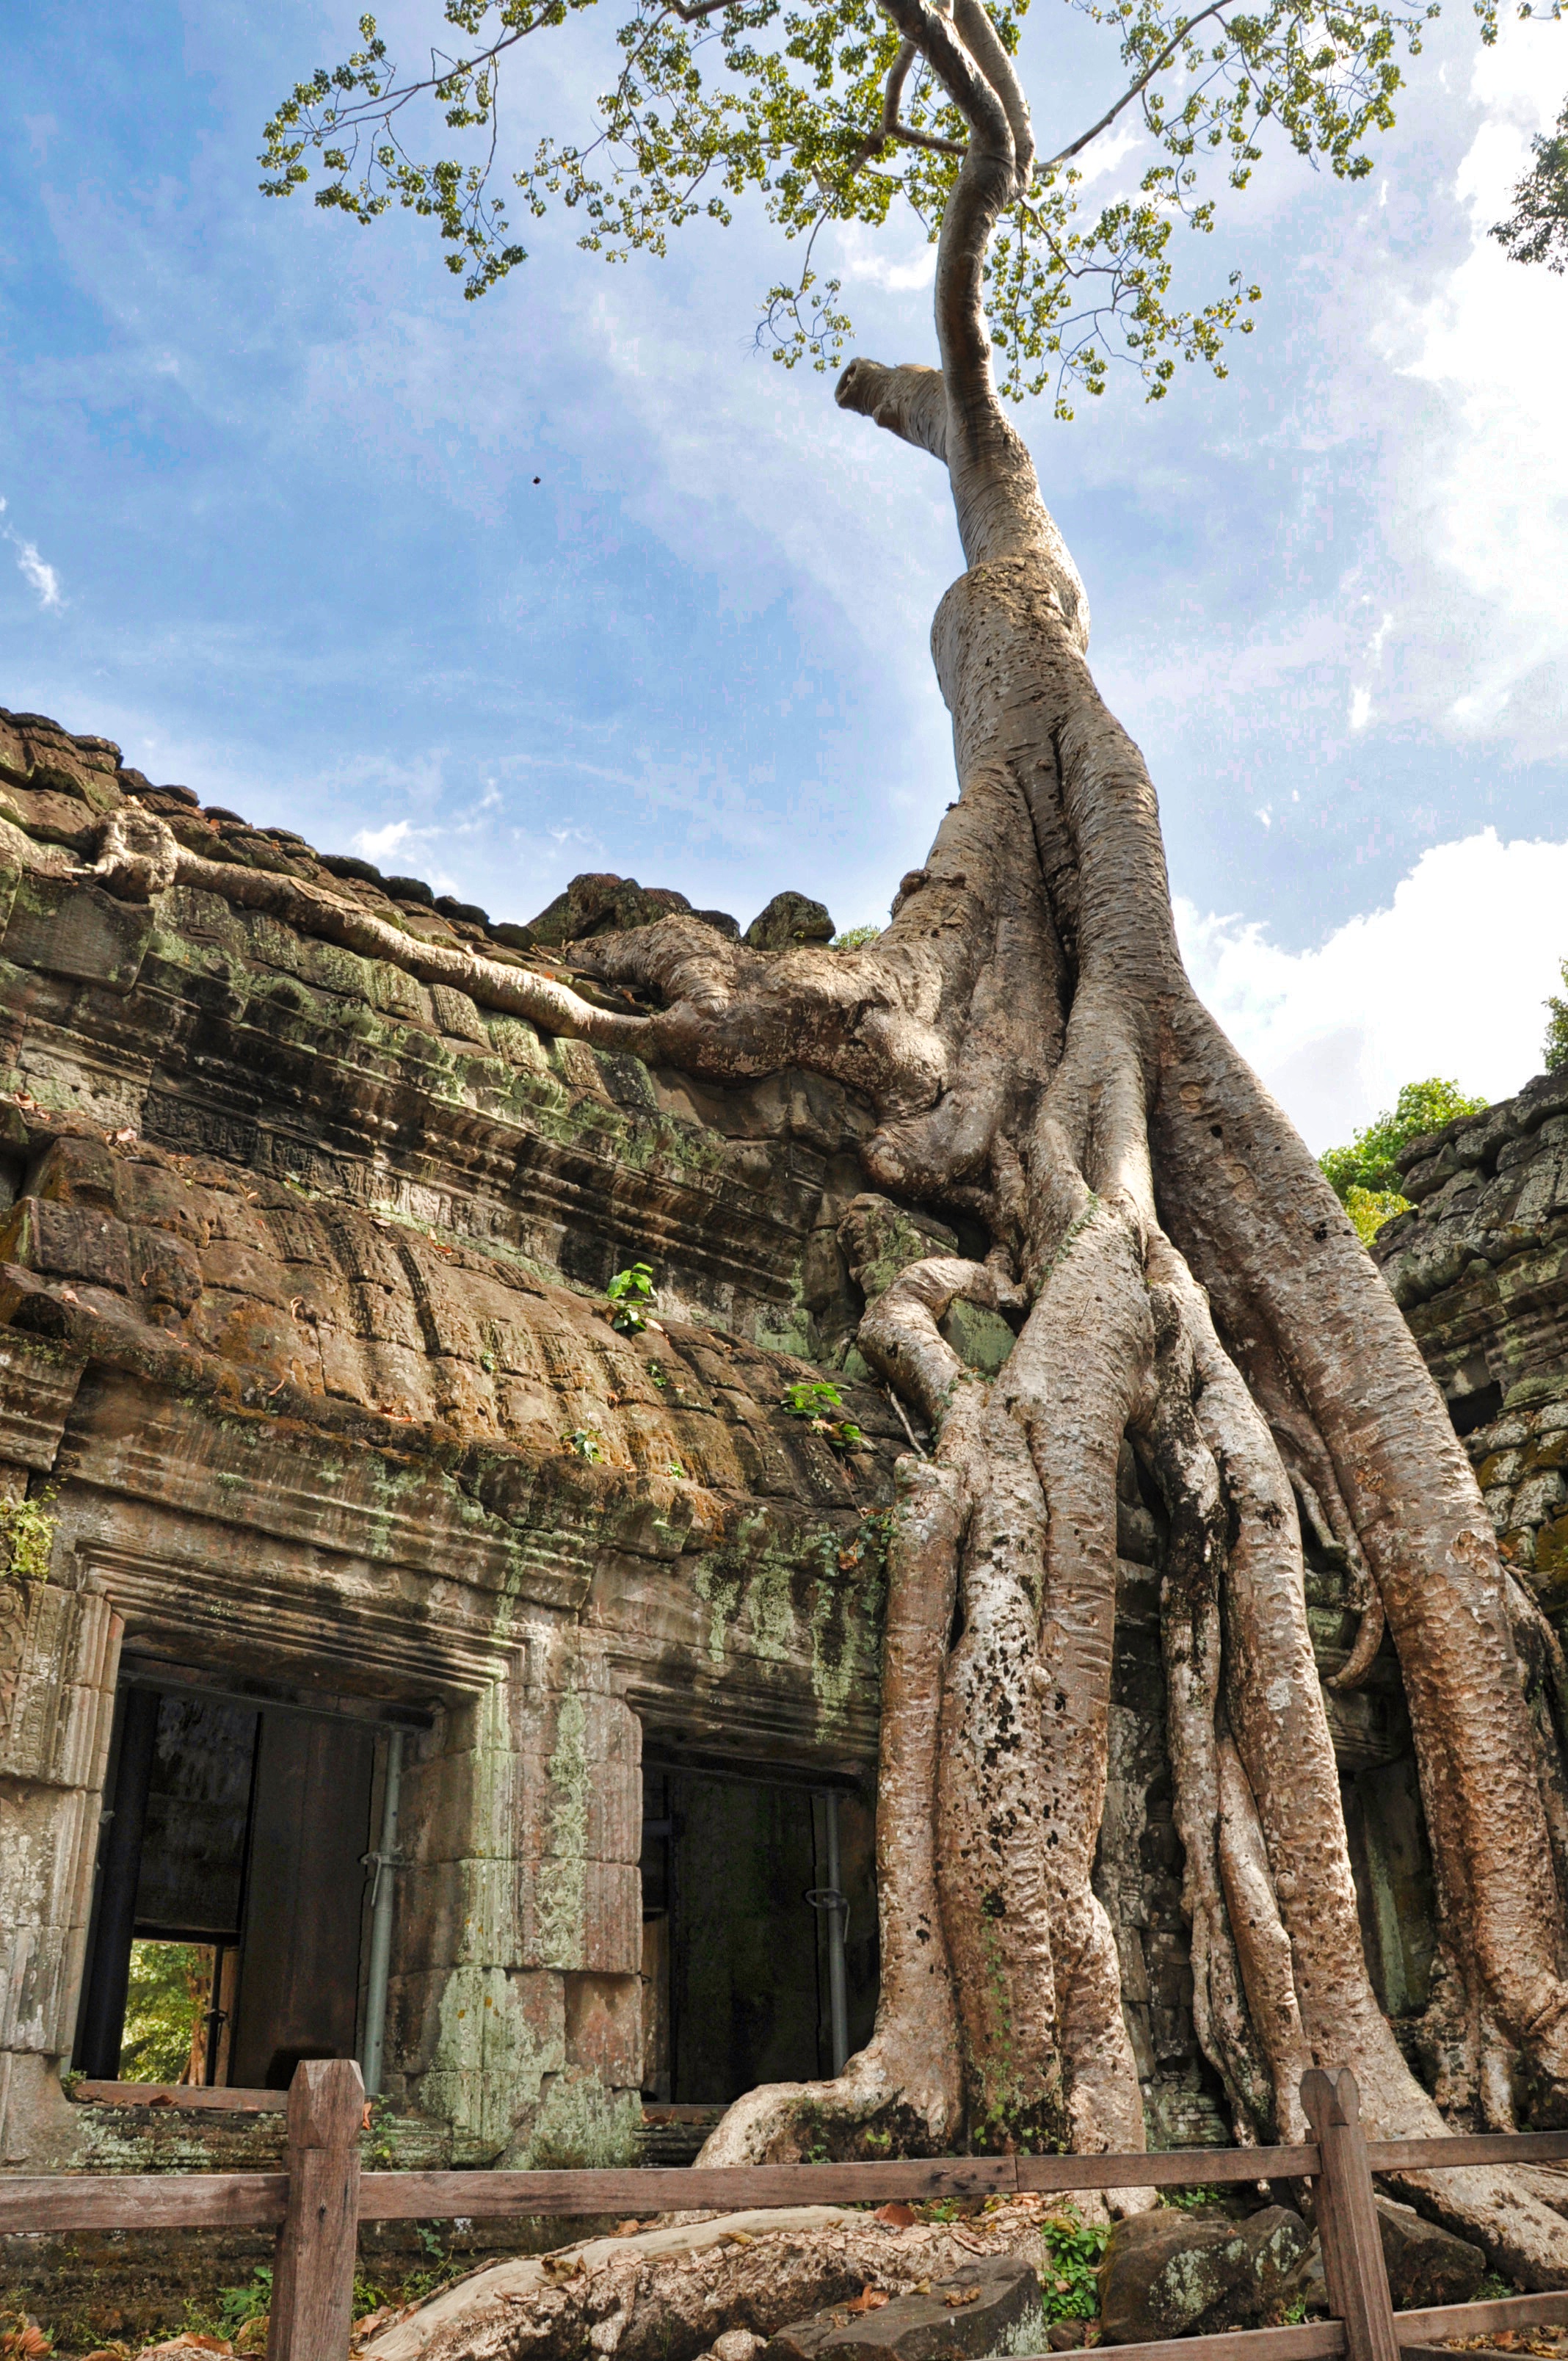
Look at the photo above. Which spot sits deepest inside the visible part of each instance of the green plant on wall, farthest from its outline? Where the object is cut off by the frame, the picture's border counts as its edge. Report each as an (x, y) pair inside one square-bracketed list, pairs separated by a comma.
[(630, 1294), (821, 1406), (27, 1538), (1364, 1176)]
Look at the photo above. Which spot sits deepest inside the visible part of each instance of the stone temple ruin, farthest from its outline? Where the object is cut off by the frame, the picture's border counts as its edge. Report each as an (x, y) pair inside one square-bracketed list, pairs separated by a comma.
[(323, 1473)]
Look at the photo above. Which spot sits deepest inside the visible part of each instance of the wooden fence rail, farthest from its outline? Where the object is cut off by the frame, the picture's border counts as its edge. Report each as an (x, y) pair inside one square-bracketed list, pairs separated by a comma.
[(317, 2203)]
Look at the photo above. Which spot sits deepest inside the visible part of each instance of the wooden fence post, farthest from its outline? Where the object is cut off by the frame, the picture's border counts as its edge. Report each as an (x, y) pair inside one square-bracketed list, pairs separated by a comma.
[(312, 2279), (1347, 2218)]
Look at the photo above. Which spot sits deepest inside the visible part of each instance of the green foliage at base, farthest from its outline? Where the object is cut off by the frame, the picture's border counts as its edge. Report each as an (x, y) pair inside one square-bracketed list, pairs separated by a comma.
[(168, 1993), (1074, 2250), (1364, 1176), (238, 2305)]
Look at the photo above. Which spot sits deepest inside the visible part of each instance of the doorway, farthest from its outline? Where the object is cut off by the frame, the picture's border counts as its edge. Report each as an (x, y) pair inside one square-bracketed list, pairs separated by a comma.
[(739, 1933), (230, 1890)]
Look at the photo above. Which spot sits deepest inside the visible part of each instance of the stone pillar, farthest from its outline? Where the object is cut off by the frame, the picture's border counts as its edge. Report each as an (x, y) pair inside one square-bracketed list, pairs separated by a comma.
[(59, 1655), (516, 2008)]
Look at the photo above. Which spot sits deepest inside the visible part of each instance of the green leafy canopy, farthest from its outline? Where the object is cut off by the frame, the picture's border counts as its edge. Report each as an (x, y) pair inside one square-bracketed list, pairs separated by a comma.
[(1364, 1176), (1537, 230), (715, 102), (1554, 1049)]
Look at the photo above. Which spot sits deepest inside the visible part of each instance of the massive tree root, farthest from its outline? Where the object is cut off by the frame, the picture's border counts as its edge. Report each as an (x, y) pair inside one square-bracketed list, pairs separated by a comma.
[(1182, 1278), (1183, 1281)]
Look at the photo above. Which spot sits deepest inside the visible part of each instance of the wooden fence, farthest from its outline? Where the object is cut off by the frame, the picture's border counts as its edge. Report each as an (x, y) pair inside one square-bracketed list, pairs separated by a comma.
[(317, 2202)]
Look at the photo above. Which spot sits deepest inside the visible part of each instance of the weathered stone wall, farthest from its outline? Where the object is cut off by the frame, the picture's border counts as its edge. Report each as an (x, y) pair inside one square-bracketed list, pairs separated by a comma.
[(1480, 1270), (302, 1352)]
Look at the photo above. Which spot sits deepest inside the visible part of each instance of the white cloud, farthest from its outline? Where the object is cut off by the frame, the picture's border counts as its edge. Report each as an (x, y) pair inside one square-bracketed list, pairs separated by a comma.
[(867, 256), (1449, 979), (380, 843), (39, 577), (1112, 148), (1485, 476)]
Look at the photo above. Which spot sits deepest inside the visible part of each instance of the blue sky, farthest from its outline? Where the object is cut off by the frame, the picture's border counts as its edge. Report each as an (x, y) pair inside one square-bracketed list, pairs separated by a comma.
[(271, 522)]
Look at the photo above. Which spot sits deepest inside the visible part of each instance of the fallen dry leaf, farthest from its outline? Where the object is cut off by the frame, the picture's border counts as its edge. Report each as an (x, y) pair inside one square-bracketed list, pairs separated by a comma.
[(869, 2300), (958, 2296), (26, 2343)]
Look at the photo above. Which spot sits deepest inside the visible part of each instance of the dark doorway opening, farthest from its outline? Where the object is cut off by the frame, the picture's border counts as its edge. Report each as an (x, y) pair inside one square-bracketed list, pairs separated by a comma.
[(235, 1833), (738, 1932)]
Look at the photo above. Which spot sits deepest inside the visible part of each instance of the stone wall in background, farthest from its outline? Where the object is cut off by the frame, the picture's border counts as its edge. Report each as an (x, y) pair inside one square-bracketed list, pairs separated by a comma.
[(1480, 1270)]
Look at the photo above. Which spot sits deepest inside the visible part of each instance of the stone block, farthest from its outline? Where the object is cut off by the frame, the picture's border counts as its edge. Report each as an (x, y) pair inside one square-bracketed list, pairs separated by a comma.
[(65, 1241), (982, 1339), (1551, 1550), (456, 1015), (160, 1200), (460, 1912), (582, 1914), (464, 1394), (1172, 2272), (362, 1250), (80, 1171), (240, 1270), (41, 1640), (1539, 1497), (1426, 2266), (446, 1307), (79, 931), (165, 1268), (342, 1365), (604, 2028), (56, 818), (38, 1386), (969, 2312), (293, 1232)]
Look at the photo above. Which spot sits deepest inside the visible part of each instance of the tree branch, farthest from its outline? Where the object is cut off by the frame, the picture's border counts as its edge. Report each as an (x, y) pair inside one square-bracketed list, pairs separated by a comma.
[(979, 38), (1133, 88)]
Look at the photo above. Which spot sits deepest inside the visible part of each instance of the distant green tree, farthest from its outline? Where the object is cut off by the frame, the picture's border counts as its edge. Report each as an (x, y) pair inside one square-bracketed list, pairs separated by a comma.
[(1536, 229), (1555, 1049), (1364, 1176), (168, 1993)]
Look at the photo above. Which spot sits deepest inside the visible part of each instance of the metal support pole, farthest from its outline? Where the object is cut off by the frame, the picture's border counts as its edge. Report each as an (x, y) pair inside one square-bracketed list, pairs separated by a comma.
[(217, 2016), (838, 1911), (384, 1861)]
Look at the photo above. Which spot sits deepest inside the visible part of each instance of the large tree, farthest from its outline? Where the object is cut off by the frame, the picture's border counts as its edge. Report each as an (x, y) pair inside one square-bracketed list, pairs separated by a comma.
[(1194, 1311)]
